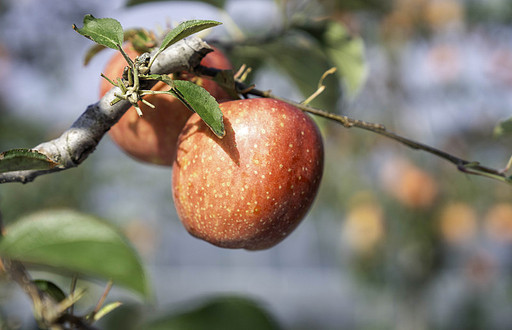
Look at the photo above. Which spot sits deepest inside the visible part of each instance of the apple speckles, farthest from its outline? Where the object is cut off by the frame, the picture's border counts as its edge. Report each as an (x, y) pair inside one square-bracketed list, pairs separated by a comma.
[(249, 203)]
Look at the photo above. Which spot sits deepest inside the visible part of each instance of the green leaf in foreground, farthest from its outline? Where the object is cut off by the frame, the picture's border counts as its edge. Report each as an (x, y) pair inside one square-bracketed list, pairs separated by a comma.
[(503, 128), (24, 159), (186, 29), (201, 102), (104, 31), (183, 30), (77, 243), (222, 313)]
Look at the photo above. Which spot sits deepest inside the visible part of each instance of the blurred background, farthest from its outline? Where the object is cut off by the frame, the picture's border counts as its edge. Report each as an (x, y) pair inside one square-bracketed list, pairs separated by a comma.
[(397, 238)]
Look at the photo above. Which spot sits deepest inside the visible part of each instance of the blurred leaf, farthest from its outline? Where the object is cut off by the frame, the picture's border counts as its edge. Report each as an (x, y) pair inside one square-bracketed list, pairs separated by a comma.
[(75, 242), (503, 128), (104, 31), (51, 289), (224, 313), (347, 54), (126, 317), (200, 101), (92, 51), (216, 3), (186, 29), (24, 159), (301, 59)]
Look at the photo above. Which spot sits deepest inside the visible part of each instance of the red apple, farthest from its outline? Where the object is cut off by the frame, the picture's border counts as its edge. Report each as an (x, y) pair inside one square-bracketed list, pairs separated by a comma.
[(152, 137), (251, 188)]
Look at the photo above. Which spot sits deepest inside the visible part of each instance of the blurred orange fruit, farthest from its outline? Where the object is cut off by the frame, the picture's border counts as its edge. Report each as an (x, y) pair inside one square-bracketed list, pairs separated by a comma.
[(498, 222), (439, 14), (364, 229), (458, 223), (409, 184)]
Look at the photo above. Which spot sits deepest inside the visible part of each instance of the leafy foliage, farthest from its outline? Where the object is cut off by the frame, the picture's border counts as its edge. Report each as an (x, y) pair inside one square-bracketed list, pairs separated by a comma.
[(109, 33), (503, 128), (75, 242), (305, 52), (347, 54)]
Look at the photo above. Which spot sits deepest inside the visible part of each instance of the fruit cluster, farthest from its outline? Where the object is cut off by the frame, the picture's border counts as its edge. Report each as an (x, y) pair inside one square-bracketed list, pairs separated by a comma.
[(249, 189)]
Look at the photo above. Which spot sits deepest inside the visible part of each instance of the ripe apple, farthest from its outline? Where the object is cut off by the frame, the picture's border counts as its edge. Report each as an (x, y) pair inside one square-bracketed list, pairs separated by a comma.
[(251, 188), (152, 137)]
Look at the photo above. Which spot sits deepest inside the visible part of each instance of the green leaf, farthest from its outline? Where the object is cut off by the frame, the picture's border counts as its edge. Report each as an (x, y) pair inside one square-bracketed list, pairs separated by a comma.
[(183, 30), (77, 243), (50, 289), (24, 159), (216, 3), (503, 128), (223, 313), (104, 31), (200, 101), (186, 29), (347, 54)]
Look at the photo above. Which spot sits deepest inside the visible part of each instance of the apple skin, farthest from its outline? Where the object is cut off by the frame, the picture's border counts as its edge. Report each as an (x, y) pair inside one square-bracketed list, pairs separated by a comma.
[(251, 188), (152, 137)]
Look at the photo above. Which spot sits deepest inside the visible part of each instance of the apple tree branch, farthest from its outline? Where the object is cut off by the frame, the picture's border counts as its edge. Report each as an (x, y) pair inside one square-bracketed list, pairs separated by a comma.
[(79, 141)]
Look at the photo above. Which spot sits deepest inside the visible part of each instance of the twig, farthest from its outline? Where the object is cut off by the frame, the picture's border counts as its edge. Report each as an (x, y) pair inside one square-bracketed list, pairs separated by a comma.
[(79, 141), (72, 289), (469, 167), (102, 298)]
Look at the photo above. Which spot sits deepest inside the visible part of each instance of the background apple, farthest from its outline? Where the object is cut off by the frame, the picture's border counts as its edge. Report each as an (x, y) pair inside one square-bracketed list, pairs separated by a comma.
[(253, 187), (152, 137)]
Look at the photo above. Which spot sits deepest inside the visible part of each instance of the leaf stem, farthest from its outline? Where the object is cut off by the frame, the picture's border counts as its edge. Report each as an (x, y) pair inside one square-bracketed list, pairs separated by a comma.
[(126, 57)]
